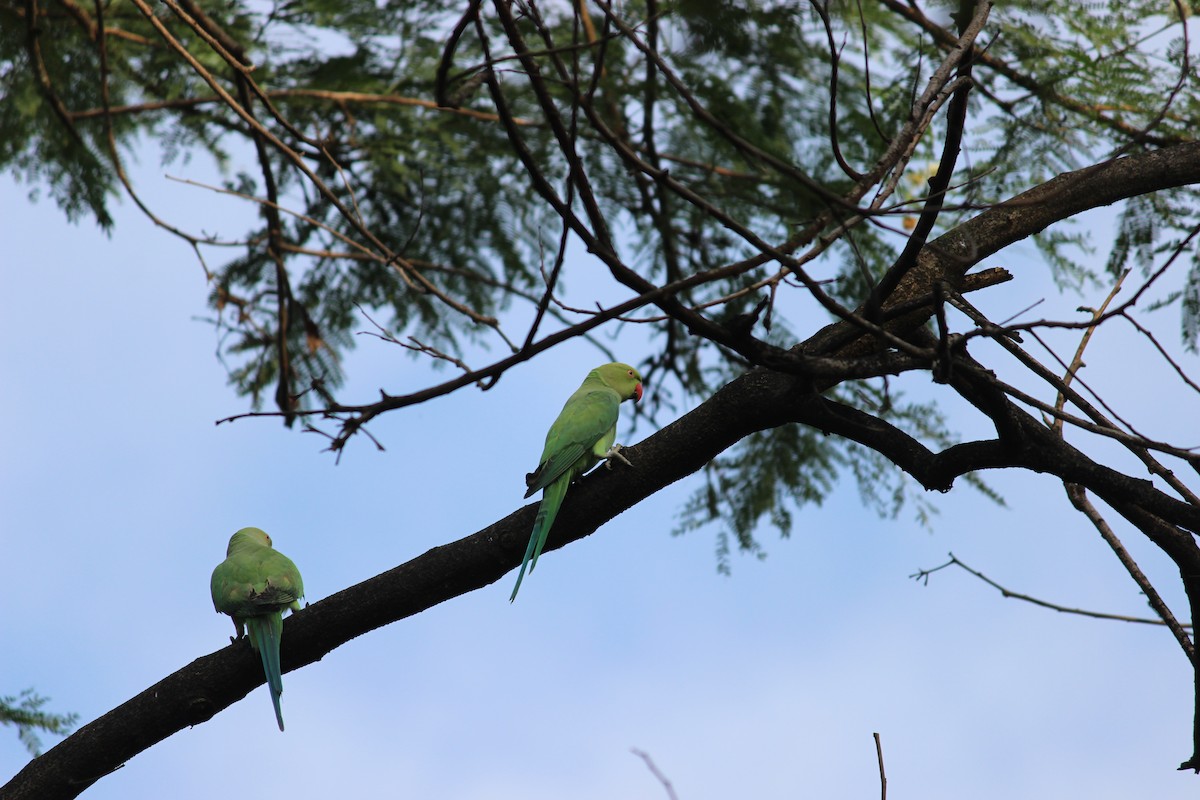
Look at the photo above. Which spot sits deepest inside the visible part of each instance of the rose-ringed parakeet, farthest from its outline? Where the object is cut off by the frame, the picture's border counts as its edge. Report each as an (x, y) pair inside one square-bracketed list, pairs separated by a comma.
[(582, 435), (255, 584)]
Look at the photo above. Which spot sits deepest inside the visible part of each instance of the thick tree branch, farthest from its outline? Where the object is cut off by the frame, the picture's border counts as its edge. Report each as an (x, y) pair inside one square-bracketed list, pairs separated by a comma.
[(949, 257), (756, 401), (956, 122), (213, 682), (887, 336)]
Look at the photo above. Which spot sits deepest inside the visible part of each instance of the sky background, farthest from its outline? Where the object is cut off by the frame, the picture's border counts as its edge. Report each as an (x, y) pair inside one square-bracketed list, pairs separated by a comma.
[(119, 495)]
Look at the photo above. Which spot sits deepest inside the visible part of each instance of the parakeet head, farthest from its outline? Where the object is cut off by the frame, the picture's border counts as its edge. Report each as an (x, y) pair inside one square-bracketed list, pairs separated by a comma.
[(622, 378), (247, 537)]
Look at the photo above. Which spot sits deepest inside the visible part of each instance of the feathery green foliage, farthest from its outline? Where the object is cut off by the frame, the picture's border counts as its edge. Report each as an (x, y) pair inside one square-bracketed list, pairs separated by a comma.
[(25, 711), (420, 207)]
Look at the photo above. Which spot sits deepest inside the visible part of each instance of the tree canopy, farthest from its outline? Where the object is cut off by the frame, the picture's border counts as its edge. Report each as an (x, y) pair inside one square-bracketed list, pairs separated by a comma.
[(786, 205)]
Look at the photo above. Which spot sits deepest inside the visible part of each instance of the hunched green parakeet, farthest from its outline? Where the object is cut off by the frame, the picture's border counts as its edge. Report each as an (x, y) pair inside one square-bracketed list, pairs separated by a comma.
[(582, 435), (255, 584)]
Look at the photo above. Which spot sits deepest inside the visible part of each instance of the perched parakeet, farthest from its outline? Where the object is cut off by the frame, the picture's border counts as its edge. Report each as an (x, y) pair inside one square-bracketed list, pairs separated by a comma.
[(582, 435), (255, 584)]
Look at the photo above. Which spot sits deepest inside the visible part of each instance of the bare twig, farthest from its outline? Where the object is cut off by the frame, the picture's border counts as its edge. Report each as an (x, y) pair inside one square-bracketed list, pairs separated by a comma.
[(1078, 497), (882, 774), (923, 575), (1077, 362), (654, 770), (338, 97), (835, 58), (1100, 424), (1162, 352)]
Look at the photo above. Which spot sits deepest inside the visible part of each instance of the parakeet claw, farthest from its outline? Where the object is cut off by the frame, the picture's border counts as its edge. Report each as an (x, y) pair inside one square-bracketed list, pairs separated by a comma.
[(615, 452)]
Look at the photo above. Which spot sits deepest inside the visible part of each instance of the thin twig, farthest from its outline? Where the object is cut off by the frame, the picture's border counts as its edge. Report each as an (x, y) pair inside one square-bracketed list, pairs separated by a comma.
[(923, 575), (882, 774), (1078, 497), (644, 756), (1135, 446), (1162, 352), (360, 98), (835, 57), (1101, 424), (1078, 494), (1077, 362)]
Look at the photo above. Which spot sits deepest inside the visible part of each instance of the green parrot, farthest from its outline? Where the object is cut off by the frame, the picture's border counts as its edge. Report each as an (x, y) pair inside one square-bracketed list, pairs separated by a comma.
[(255, 584), (582, 435)]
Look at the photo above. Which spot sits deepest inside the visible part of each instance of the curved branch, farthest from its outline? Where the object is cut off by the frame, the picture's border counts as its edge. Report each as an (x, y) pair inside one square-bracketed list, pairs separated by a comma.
[(939, 184), (948, 257), (198, 691), (756, 401)]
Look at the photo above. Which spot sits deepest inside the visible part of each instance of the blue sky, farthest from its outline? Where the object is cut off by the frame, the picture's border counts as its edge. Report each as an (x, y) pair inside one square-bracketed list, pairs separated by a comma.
[(119, 496)]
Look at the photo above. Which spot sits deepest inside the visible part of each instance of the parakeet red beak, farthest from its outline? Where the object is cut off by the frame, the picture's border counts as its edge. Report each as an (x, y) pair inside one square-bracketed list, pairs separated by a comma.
[(637, 393)]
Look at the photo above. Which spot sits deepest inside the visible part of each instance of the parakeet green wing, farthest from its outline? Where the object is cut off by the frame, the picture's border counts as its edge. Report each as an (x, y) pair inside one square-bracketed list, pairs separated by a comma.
[(584, 422)]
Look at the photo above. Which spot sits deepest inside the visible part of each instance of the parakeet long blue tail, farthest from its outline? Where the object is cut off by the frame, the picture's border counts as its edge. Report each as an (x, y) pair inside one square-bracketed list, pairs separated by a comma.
[(552, 497), (265, 633)]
